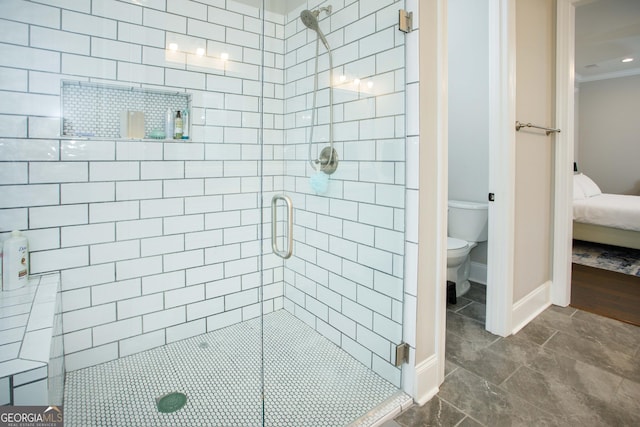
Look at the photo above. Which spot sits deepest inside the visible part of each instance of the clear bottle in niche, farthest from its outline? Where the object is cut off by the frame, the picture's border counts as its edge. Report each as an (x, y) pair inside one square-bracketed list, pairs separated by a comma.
[(178, 126), (185, 124), (168, 124)]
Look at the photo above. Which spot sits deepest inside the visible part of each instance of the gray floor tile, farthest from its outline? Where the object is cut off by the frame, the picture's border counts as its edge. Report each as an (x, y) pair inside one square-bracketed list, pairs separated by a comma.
[(595, 353), (481, 361), (469, 422), (461, 302), (536, 332), (476, 311), (469, 329), (491, 405), (477, 293), (627, 399), (433, 413)]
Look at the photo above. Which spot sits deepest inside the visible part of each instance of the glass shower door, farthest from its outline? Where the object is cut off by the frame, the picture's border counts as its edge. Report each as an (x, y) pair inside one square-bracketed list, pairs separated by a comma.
[(333, 143)]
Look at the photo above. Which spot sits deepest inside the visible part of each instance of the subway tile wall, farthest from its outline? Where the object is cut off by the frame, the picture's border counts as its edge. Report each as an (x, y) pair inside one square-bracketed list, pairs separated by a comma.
[(159, 241)]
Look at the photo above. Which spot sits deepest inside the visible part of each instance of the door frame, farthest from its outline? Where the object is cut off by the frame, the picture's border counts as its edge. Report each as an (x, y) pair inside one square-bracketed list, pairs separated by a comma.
[(502, 57)]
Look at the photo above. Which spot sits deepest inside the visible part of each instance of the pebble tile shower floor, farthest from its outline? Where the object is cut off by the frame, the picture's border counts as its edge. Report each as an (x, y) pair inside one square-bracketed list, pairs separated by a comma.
[(309, 381)]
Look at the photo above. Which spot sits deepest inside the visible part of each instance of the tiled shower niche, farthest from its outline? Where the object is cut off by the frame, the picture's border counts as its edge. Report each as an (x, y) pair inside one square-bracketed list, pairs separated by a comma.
[(93, 110)]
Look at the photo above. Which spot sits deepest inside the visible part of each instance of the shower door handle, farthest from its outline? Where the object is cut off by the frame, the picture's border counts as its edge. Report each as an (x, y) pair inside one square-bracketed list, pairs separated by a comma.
[(274, 222)]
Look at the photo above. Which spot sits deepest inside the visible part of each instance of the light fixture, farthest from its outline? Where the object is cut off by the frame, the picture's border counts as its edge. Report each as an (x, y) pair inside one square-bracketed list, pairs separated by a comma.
[(343, 78), (224, 56), (627, 60), (173, 46), (369, 84), (200, 51), (356, 82)]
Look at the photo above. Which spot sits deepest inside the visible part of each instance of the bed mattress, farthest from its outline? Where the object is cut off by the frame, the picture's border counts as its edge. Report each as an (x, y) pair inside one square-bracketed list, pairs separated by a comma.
[(609, 210)]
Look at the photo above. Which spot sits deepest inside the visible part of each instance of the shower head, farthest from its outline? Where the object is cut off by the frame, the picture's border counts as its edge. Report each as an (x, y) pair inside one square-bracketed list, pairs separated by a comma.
[(310, 19)]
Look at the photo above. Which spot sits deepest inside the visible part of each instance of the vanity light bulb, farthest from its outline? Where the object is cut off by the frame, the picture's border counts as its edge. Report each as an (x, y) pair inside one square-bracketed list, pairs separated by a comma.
[(224, 56), (200, 51), (173, 46)]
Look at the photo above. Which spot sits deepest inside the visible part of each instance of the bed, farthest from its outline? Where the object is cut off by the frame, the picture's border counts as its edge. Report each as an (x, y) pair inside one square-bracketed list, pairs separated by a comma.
[(612, 219)]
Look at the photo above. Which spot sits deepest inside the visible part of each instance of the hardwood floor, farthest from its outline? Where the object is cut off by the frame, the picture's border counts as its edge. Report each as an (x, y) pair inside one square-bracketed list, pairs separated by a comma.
[(606, 293)]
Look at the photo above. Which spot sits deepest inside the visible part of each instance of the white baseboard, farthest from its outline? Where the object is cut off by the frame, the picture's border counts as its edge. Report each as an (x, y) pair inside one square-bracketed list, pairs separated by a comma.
[(427, 384), (529, 307), (478, 272)]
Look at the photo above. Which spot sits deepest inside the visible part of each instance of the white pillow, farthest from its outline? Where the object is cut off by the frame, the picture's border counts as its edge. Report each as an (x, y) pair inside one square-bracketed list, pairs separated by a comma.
[(578, 193), (589, 188)]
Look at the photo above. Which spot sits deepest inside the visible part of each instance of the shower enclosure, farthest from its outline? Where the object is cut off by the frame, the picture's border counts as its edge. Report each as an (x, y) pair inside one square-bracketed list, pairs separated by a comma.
[(251, 274)]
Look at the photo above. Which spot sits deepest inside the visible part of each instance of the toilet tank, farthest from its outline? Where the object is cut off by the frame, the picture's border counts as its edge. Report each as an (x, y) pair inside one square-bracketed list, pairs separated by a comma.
[(468, 220)]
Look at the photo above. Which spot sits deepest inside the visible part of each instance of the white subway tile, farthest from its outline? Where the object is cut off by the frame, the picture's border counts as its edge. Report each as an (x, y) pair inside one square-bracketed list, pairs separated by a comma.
[(138, 267), (117, 211), (87, 276), (14, 33), (222, 220), (240, 267), (29, 104), (87, 150), (142, 342), (203, 239), (111, 49), (118, 10), (140, 73), (116, 331), (204, 274), (202, 204), (55, 216), (162, 245), (132, 190), (184, 296), (162, 170), (224, 17), (90, 67), (205, 308), (380, 216), (183, 224), (88, 317), (140, 34), (87, 192), (76, 341), (13, 79), (186, 330), (13, 126), (87, 234), (164, 21), (135, 307), (161, 207), (59, 259), (183, 187), (45, 82), (31, 13), (411, 213), (138, 229), (115, 291), (187, 8), (43, 239), (222, 320), (29, 58), (14, 173), (76, 299), (25, 150), (44, 127), (14, 219), (135, 150), (91, 357), (183, 260), (116, 251), (224, 84), (163, 319), (163, 282), (187, 79), (206, 30), (183, 151), (61, 41), (114, 171), (203, 169)]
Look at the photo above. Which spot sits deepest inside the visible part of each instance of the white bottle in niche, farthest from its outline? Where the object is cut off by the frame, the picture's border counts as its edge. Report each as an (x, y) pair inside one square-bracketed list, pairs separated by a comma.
[(15, 269)]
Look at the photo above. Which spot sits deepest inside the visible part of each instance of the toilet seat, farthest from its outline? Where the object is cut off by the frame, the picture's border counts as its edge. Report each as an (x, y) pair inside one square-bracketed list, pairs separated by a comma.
[(457, 247)]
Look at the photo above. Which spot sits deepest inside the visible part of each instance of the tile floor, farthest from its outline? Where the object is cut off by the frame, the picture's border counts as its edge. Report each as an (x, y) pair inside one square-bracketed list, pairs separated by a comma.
[(309, 381), (566, 368)]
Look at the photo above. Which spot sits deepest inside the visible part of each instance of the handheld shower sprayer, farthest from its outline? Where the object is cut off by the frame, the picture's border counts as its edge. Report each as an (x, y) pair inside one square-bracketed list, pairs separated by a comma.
[(328, 160)]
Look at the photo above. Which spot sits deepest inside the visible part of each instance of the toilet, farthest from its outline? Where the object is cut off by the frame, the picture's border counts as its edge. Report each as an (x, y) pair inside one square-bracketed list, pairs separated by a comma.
[(467, 226)]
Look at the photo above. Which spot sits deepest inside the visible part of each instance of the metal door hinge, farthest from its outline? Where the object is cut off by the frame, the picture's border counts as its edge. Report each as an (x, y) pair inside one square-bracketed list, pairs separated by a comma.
[(405, 21), (402, 353)]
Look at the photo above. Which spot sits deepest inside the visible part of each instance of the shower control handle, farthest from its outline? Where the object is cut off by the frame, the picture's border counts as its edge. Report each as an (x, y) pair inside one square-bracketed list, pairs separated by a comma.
[(274, 222)]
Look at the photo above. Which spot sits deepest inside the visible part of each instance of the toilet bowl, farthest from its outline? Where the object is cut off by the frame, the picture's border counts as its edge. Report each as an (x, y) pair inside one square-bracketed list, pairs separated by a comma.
[(459, 263), (467, 226)]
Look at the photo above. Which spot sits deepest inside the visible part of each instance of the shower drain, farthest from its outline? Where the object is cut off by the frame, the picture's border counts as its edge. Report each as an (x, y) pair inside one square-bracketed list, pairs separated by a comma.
[(171, 402)]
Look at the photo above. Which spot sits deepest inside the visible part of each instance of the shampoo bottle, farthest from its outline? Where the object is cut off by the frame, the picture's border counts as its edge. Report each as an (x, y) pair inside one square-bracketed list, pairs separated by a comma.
[(16, 262), (185, 124), (168, 124), (178, 126)]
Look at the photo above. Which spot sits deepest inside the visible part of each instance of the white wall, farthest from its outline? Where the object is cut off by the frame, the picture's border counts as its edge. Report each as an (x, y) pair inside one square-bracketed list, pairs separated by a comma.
[(608, 129), (468, 100)]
